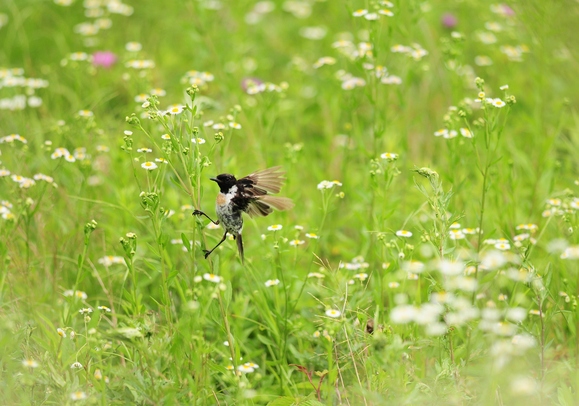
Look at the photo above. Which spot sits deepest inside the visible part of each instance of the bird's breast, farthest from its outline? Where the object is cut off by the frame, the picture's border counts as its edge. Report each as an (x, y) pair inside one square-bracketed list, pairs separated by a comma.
[(221, 199)]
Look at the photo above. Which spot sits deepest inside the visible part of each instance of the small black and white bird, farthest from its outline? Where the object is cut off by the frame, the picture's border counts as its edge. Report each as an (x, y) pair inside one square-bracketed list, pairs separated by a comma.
[(250, 194)]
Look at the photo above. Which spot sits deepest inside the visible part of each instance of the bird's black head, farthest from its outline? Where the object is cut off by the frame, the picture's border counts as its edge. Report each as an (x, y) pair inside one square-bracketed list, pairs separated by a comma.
[(225, 181)]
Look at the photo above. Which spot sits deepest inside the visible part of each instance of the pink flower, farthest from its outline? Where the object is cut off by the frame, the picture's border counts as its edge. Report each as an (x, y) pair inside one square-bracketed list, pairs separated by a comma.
[(106, 59), (448, 20)]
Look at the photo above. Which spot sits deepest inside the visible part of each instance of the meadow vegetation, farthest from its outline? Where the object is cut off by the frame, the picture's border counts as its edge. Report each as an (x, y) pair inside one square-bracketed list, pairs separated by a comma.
[(430, 148)]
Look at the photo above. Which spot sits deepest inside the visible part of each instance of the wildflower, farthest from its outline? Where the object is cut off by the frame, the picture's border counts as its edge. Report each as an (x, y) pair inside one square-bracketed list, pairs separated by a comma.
[(498, 103), (78, 56), (361, 276), (149, 165), (235, 125), (162, 161), (133, 46), (212, 278), (41, 176), (98, 375), (175, 109), (571, 252), (465, 132), (413, 267), (30, 363), (110, 260), (326, 184), (198, 141), (296, 242), (393, 285), (470, 230), (79, 395), (360, 13), (389, 156), (76, 365), (275, 227), (326, 60), (158, 92), (447, 267), (333, 313), (352, 83), (441, 132), (483, 60), (404, 233), (456, 234), (144, 150), (312, 235), (104, 309), (371, 16), (523, 341), (85, 113), (271, 282), (391, 80), (106, 59), (503, 246), (140, 64), (516, 314), (4, 172), (316, 275), (449, 20), (69, 158), (403, 314), (386, 12), (86, 310), (245, 368), (522, 237), (493, 260), (165, 137), (450, 134), (77, 293), (61, 332)]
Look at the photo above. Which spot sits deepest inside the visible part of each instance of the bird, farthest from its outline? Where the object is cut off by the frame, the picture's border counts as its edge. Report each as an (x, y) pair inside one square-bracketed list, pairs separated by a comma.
[(250, 194)]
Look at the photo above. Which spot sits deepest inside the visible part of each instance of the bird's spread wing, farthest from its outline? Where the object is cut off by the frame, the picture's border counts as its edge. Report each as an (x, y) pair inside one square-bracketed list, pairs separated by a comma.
[(270, 179), (254, 192)]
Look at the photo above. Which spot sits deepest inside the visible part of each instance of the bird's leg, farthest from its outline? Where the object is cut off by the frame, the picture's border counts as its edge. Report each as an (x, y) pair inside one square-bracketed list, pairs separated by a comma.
[(200, 213), (207, 253)]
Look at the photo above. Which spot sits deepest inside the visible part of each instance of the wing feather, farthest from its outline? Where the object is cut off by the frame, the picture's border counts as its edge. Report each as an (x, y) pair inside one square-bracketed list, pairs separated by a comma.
[(270, 179), (256, 189)]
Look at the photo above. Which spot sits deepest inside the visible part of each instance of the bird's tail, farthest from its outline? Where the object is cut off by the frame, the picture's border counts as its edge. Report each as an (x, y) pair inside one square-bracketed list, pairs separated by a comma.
[(240, 246)]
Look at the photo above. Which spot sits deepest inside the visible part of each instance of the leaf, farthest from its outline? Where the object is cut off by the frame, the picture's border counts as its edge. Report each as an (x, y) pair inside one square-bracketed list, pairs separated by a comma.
[(186, 242), (265, 340), (565, 396), (172, 275)]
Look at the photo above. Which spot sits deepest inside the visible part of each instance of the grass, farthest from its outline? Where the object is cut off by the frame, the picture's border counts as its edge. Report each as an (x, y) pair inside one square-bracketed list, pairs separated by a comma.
[(414, 268)]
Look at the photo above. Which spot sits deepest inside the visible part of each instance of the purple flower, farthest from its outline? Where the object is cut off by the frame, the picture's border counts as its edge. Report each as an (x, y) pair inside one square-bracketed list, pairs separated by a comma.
[(449, 20), (106, 59)]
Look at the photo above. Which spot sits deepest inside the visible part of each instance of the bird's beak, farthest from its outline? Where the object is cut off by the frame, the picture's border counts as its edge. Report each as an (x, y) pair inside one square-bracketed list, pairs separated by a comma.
[(214, 180)]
